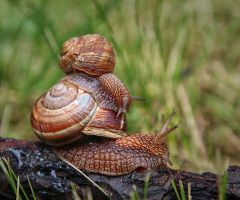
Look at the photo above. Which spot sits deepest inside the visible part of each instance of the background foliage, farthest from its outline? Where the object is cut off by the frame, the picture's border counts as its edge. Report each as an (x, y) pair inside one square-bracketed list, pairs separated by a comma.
[(180, 55)]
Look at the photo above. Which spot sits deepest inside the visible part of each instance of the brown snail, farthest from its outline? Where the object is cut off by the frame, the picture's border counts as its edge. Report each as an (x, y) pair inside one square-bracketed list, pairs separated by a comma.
[(92, 101), (76, 104), (121, 156), (94, 55)]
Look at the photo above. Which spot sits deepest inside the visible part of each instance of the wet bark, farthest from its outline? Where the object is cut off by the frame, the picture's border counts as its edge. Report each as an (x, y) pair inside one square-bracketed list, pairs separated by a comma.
[(51, 178)]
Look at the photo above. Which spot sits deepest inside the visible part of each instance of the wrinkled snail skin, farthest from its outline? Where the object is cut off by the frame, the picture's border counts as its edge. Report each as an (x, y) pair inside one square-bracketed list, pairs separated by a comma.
[(115, 157), (120, 156)]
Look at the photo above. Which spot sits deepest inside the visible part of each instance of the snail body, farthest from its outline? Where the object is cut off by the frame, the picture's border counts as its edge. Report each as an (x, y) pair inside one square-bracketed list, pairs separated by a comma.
[(120, 156)]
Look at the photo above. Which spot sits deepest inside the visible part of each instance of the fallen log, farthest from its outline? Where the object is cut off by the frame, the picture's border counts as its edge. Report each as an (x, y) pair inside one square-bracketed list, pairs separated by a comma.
[(51, 178)]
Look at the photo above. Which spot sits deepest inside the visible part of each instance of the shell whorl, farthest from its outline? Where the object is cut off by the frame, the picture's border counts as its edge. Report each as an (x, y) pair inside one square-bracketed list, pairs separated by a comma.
[(92, 54), (56, 117), (60, 95)]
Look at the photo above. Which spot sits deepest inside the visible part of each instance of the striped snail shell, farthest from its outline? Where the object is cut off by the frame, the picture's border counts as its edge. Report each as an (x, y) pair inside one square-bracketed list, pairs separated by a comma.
[(65, 111), (92, 54)]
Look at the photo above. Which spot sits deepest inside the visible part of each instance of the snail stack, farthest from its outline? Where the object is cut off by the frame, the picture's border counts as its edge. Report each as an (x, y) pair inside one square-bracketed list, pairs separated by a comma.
[(90, 100)]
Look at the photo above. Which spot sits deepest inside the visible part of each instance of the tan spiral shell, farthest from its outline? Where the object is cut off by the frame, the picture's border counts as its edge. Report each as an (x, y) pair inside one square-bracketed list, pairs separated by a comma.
[(63, 113), (92, 54)]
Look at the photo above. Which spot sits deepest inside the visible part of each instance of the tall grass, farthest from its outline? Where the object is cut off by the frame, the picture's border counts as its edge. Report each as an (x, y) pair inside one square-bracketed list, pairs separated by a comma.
[(180, 55)]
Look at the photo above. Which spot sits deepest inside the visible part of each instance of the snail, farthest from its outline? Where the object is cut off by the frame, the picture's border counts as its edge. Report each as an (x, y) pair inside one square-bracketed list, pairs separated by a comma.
[(75, 104), (121, 156), (91, 101), (94, 55)]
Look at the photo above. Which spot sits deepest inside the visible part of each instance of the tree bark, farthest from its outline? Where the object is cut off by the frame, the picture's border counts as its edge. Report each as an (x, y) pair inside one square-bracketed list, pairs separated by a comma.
[(51, 178)]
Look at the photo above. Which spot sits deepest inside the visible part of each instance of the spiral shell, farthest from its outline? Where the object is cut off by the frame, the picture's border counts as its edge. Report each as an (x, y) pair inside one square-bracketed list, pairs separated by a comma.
[(63, 113), (92, 54)]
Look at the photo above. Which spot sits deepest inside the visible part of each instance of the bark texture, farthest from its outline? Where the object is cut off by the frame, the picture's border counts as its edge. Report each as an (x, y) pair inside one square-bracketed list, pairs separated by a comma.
[(51, 178)]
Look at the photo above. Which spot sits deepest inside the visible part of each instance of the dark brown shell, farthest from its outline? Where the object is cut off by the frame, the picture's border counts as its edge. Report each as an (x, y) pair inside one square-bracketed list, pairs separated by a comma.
[(92, 54)]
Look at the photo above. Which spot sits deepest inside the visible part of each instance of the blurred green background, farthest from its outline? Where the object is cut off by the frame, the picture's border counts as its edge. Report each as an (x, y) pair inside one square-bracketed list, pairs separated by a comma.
[(181, 55)]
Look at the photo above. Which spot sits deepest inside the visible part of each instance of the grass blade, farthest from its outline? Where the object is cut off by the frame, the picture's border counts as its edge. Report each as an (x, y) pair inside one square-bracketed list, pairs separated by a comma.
[(74, 193), (86, 177), (175, 189), (15, 177), (180, 166), (12, 177), (89, 193), (146, 186), (34, 197), (135, 194), (18, 183), (189, 191), (182, 190), (223, 186), (6, 173)]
